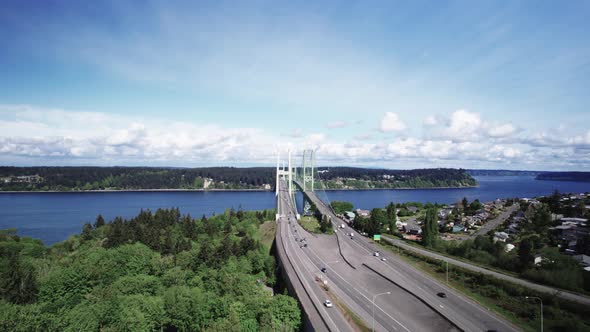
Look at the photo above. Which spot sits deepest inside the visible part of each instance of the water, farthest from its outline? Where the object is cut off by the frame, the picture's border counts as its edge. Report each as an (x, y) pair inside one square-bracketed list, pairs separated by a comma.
[(52, 217)]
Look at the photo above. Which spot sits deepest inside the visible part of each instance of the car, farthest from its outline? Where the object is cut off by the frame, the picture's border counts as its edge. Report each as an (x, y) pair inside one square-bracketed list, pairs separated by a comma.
[(305, 245), (441, 294), (324, 270), (383, 259), (328, 304), (376, 254)]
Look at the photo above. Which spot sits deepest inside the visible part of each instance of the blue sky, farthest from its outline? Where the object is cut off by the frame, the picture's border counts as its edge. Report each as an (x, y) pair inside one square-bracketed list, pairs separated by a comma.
[(370, 83)]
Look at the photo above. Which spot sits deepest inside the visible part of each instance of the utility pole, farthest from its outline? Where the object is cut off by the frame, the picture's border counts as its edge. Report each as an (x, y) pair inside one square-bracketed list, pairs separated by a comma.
[(541, 301)]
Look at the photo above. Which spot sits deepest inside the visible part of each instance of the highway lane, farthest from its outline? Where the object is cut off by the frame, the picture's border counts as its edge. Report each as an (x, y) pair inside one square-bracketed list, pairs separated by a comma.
[(399, 311), (469, 315), (334, 319), (582, 299)]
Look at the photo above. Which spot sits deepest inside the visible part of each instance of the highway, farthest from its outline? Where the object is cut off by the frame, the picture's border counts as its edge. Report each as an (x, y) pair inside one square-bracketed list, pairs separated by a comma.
[(582, 299), (332, 319), (356, 286), (461, 311)]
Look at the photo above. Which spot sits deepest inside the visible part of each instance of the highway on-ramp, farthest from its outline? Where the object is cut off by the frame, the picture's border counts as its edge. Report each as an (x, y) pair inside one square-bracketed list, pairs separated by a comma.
[(463, 312)]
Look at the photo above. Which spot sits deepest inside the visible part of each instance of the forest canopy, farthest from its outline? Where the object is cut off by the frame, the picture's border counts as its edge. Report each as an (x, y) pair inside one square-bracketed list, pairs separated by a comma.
[(224, 178), (157, 271)]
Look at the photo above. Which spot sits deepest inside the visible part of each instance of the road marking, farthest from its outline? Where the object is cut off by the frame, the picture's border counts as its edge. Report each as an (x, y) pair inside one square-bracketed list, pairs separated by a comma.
[(361, 293)]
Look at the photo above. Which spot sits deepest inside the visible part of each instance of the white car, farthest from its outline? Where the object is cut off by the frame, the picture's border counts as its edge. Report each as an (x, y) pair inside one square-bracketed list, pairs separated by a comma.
[(376, 254), (328, 304), (383, 259)]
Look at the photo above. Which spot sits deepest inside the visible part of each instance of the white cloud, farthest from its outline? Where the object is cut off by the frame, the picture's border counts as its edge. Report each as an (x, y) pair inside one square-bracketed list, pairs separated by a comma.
[(430, 120), (30, 134), (502, 130), (337, 124), (391, 122), (463, 124)]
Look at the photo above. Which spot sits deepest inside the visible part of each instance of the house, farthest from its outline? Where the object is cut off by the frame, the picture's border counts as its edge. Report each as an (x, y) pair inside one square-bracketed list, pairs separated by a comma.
[(363, 213), (444, 213), (412, 209), (349, 216), (584, 260), (459, 228), (509, 247), (538, 259), (577, 221), (267, 186), (412, 229), (500, 236)]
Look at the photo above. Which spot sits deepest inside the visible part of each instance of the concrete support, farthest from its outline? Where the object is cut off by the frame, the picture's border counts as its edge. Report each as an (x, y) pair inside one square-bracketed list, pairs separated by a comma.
[(277, 184), (312, 160), (290, 177), (303, 175)]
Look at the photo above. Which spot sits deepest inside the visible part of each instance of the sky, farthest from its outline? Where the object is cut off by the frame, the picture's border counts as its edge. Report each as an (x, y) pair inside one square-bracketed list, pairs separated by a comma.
[(391, 84)]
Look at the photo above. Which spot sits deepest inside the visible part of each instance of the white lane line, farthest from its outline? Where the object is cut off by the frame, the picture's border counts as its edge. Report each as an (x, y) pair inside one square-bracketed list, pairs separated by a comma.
[(470, 303), (312, 263), (361, 293), (304, 280)]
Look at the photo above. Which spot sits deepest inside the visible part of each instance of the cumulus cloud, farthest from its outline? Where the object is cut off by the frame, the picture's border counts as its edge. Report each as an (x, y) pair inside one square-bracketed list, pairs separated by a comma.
[(38, 135), (502, 130), (391, 122), (464, 126)]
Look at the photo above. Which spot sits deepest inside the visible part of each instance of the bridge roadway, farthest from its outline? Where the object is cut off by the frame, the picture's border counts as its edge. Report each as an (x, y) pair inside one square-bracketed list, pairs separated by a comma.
[(464, 313), (302, 276)]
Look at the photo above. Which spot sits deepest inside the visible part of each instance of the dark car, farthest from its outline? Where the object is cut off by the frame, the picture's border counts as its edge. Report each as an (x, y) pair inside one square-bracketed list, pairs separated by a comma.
[(441, 294), (305, 245)]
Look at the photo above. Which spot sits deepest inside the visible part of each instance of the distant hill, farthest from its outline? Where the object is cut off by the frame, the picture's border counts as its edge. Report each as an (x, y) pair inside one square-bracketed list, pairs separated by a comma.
[(220, 178), (501, 172), (565, 176)]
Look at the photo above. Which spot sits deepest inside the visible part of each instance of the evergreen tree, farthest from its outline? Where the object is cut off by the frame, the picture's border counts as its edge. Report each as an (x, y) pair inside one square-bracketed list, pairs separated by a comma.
[(99, 221), (525, 255), (430, 228), (86, 232)]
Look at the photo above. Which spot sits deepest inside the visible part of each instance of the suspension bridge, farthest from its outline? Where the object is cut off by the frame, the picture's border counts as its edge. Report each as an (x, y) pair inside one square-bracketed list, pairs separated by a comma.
[(343, 285)]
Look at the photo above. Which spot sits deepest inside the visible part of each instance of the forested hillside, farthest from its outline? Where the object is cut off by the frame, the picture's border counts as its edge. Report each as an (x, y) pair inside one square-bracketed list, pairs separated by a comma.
[(155, 272), (262, 178), (97, 178), (565, 176), (369, 178)]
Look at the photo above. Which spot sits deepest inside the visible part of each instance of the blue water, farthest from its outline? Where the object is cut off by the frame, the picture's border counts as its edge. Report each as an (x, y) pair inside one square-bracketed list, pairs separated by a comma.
[(52, 217)]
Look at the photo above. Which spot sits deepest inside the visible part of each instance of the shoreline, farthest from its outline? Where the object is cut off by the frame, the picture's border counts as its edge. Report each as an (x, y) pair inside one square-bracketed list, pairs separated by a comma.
[(213, 190)]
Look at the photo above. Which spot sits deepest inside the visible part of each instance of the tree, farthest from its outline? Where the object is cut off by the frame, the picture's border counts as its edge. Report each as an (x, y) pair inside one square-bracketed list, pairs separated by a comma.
[(86, 232), (99, 221), (465, 204), (430, 228), (377, 219), (17, 280), (525, 255), (341, 207)]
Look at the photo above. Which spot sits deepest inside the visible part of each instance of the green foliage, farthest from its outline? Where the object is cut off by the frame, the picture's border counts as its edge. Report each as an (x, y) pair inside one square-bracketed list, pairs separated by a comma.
[(430, 228), (141, 278), (341, 207)]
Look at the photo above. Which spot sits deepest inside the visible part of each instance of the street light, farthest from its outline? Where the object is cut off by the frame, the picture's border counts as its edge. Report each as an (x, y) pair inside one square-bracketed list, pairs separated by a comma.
[(541, 301), (374, 296)]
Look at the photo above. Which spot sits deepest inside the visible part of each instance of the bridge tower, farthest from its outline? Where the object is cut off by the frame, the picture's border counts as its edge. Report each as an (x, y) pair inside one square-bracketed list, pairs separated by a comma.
[(308, 175)]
